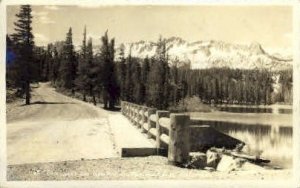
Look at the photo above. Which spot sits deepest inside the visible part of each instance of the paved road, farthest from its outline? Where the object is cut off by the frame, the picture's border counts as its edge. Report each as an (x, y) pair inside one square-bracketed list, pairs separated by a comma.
[(58, 128)]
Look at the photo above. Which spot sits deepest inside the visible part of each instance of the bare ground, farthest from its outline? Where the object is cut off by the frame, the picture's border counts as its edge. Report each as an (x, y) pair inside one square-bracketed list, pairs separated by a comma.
[(137, 168), (56, 128)]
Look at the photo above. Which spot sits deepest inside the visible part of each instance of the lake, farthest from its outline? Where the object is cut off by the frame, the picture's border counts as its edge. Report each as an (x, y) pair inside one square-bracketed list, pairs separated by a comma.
[(235, 109), (265, 133)]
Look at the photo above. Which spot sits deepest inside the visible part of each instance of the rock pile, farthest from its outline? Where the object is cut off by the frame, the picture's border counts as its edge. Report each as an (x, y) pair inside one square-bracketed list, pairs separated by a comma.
[(225, 161)]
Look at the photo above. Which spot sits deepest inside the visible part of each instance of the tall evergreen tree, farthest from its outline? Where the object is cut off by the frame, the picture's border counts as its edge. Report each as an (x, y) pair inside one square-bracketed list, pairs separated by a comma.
[(68, 64), (137, 84), (158, 77), (24, 44), (82, 79), (93, 70), (48, 63), (129, 80), (109, 79), (54, 72), (144, 79), (122, 72)]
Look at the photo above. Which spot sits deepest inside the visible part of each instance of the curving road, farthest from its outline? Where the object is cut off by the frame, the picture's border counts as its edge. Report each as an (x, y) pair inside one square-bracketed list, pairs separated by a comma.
[(57, 128)]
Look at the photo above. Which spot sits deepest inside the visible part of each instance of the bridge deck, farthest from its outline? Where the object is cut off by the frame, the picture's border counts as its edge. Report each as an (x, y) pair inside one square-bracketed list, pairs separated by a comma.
[(127, 135)]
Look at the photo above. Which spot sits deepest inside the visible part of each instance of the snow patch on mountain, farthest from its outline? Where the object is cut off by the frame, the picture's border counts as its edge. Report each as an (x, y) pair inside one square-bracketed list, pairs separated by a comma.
[(209, 54)]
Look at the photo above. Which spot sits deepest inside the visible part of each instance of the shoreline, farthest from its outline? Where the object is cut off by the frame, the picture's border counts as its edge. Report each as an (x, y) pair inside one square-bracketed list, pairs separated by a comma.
[(272, 106)]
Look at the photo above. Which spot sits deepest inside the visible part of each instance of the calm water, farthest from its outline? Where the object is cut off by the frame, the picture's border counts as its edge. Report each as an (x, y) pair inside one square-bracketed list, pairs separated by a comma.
[(254, 110), (273, 142)]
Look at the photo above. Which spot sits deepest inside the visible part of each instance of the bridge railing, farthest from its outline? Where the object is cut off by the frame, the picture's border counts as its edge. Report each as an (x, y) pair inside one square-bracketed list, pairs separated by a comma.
[(170, 131)]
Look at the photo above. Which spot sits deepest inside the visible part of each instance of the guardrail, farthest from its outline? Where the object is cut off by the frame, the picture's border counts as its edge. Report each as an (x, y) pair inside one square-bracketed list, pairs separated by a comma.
[(170, 131), (176, 133)]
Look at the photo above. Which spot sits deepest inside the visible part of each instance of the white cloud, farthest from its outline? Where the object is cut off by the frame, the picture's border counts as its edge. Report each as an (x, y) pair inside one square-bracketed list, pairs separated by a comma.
[(52, 7)]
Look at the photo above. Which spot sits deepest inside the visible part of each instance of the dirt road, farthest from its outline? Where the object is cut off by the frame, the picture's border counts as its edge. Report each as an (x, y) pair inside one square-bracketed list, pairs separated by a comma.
[(57, 128)]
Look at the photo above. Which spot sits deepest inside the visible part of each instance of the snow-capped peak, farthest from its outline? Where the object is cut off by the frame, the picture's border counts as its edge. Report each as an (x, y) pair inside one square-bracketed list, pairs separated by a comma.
[(208, 54)]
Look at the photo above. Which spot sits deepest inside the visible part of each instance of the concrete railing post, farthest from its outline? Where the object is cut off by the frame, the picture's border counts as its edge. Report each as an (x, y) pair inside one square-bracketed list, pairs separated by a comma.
[(144, 118), (122, 104), (123, 107), (136, 115), (127, 110), (131, 112), (150, 112), (139, 117), (160, 114), (179, 133)]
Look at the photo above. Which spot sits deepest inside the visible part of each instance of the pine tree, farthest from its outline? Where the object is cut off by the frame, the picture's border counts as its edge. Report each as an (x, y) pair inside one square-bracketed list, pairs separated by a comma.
[(158, 78), (129, 81), (137, 86), (48, 57), (24, 44), (144, 79), (68, 64), (122, 72), (40, 60), (82, 79), (93, 70), (54, 72), (109, 80)]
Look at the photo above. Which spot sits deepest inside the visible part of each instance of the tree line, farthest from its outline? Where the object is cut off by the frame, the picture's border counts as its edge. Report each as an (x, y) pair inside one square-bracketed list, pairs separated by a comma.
[(82, 71), (153, 81)]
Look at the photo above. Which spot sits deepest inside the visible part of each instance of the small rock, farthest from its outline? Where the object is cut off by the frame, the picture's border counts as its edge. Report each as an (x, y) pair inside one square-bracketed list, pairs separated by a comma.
[(229, 163), (198, 160), (212, 159), (210, 169)]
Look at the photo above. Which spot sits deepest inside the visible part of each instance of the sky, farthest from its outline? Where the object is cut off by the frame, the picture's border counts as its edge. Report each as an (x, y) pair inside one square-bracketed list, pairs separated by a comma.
[(270, 26)]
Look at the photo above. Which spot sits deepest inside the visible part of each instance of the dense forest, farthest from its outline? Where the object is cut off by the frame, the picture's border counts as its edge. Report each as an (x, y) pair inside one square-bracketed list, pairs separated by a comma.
[(109, 77)]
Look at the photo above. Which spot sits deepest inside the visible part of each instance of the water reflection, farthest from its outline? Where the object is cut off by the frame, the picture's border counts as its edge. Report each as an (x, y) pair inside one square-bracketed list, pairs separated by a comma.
[(270, 141)]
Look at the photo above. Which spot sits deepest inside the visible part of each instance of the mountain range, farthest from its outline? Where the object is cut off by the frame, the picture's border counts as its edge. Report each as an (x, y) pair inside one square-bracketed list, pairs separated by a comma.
[(209, 54)]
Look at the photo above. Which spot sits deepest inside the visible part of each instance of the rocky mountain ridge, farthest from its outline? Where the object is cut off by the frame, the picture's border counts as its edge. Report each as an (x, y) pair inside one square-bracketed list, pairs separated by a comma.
[(209, 54)]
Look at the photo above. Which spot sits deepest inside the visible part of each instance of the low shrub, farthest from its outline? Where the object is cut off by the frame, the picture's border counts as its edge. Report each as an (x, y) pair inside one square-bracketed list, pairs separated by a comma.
[(190, 104)]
